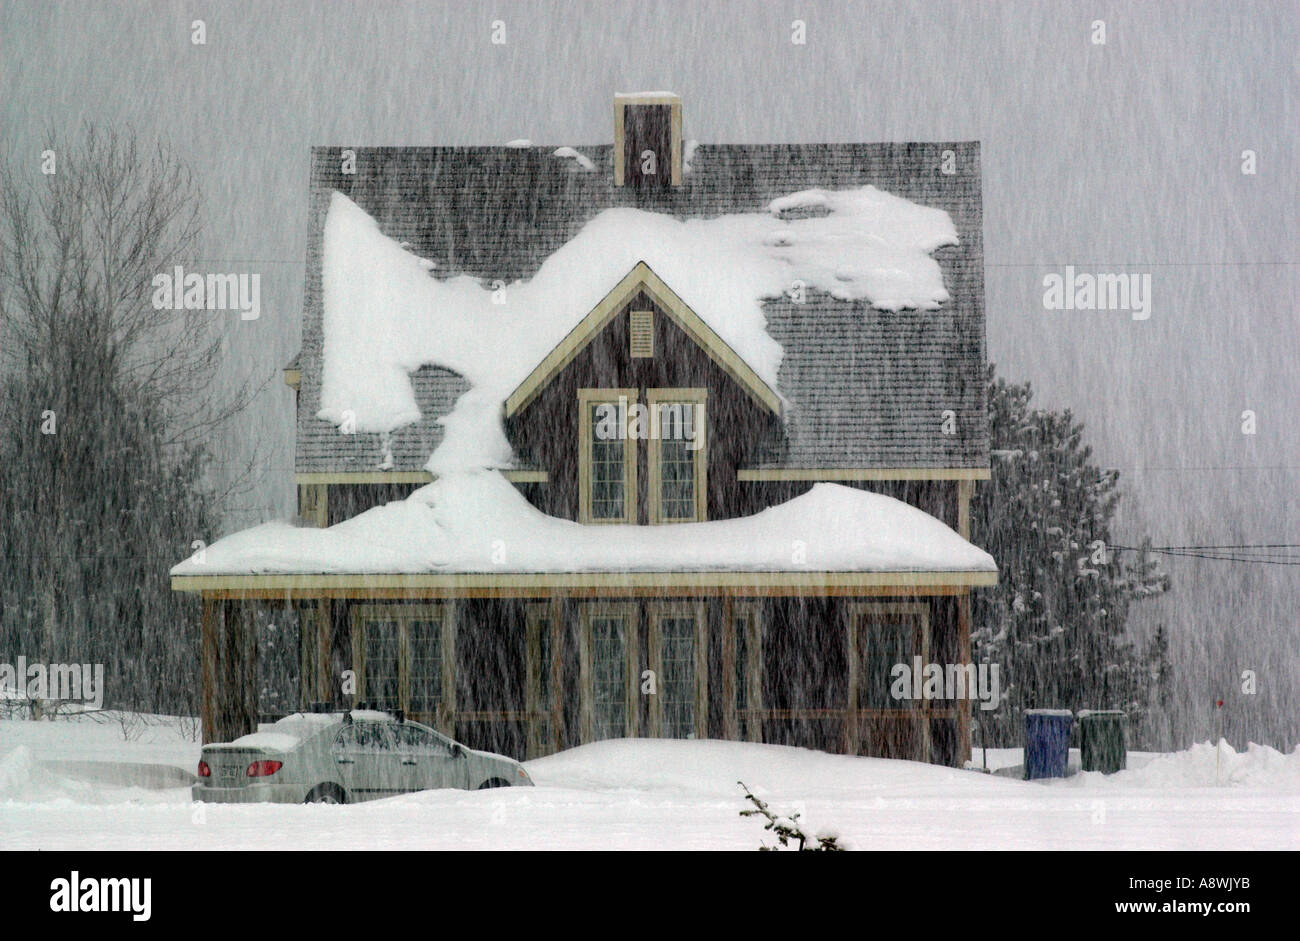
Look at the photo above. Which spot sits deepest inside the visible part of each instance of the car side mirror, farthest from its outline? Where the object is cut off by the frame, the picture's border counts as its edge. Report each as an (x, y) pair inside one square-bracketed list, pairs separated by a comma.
[(458, 751)]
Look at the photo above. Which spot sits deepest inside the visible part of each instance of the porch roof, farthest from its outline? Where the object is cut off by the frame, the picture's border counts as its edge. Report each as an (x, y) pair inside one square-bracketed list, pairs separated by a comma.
[(476, 532), (584, 584)]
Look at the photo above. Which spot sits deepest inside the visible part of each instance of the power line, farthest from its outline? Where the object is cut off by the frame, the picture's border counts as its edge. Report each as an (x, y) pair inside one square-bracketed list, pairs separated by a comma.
[(1233, 553)]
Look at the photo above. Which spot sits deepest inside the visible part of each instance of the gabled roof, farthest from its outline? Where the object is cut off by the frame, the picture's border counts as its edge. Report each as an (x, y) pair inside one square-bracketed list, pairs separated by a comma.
[(642, 278), (863, 388)]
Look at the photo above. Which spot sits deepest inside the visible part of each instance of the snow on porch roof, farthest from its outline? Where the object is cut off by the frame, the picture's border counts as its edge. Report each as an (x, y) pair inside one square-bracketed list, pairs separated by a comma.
[(479, 523)]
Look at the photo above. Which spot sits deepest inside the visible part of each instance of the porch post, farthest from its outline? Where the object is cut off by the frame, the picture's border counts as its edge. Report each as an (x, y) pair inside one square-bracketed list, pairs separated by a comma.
[(852, 742), (963, 656), (730, 721), (208, 669), (557, 675)]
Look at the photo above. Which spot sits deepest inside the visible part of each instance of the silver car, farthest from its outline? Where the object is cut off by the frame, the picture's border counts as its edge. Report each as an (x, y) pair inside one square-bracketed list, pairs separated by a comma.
[(343, 757)]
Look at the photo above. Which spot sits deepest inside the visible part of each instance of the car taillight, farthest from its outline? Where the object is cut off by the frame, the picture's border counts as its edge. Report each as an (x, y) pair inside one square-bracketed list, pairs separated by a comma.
[(204, 770), (261, 769)]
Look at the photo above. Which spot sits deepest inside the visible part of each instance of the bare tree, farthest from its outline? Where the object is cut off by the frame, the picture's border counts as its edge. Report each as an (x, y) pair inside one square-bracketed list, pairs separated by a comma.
[(112, 406)]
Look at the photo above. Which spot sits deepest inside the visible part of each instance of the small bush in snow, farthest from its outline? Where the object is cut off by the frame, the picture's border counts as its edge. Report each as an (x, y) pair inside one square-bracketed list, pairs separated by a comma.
[(787, 829)]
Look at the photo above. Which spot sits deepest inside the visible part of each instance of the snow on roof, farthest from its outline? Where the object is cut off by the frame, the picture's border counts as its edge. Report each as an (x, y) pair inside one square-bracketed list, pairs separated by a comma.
[(580, 159), (385, 315), (274, 741), (285, 734), (478, 522)]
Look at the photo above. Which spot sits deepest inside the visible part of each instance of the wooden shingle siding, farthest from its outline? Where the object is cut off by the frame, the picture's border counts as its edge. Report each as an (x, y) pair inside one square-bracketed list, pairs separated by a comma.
[(546, 432)]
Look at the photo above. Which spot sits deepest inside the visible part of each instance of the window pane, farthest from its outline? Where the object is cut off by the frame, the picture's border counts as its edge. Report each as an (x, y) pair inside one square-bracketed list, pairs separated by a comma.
[(677, 461), (886, 642), (609, 677), (677, 682), (417, 741), (426, 665), (542, 668), (381, 664), (607, 469)]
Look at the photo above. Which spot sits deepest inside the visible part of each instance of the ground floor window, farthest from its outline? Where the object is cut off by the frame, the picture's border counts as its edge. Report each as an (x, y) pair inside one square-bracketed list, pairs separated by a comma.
[(743, 658), (608, 667), (404, 658), (542, 627), (880, 636), (677, 648)]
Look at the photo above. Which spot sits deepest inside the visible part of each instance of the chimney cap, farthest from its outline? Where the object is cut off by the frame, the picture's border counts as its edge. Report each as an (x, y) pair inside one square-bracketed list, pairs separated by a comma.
[(647, 97)]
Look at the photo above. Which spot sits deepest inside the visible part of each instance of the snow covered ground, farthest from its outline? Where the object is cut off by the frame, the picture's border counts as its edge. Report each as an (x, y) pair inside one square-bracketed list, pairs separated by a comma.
[(652, 794)]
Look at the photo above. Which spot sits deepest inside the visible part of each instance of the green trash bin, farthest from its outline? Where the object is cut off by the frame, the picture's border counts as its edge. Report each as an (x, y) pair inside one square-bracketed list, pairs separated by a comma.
[(1101, 740)]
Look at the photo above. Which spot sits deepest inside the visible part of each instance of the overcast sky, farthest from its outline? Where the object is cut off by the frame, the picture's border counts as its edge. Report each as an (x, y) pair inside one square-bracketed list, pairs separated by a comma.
[(1117, 157)]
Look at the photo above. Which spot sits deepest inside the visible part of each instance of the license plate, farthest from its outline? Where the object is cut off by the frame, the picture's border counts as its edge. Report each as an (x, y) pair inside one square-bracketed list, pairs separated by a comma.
[(232, 775)]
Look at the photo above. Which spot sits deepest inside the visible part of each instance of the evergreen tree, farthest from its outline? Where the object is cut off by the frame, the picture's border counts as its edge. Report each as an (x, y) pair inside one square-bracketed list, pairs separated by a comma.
[(1057, 620)]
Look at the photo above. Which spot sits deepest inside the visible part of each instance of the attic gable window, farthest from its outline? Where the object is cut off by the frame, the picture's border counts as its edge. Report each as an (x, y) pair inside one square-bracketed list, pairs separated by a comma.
[(642, 329), (606, 461), (678, 455), (647, 140)]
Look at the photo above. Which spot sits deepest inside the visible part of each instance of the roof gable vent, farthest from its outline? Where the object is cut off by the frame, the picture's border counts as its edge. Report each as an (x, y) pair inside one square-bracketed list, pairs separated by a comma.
[(647, 140), (642, 330)]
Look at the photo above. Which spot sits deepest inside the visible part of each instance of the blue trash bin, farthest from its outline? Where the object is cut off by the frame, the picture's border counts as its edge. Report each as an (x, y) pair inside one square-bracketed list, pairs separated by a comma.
[(1047, 742)]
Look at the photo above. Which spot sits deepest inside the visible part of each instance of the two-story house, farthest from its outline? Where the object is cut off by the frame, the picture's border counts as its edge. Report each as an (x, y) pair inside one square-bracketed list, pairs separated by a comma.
[(654, 438)]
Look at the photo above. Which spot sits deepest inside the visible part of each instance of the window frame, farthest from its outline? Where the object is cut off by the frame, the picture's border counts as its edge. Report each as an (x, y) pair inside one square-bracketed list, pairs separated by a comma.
[(586, 674), (917, 709), (751, 717), (541, 739), (656, 613), (694, 396), (443, 717), (587, 398)]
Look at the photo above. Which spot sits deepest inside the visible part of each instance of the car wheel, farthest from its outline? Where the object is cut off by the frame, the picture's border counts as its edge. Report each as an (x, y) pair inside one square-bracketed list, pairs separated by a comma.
[(326, 794), (493, 782)]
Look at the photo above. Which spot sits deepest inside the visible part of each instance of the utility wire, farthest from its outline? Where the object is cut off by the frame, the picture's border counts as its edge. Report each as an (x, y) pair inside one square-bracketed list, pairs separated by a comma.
[(1235, 553)]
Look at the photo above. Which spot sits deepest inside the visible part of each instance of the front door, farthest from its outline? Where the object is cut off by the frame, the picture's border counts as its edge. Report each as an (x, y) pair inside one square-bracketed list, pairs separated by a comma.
[(877, 723)]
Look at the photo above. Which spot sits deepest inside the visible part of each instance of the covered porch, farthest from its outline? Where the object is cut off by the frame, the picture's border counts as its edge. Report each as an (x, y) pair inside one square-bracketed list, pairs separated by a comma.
[(527, 664)]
